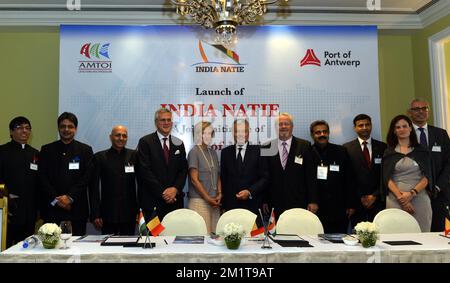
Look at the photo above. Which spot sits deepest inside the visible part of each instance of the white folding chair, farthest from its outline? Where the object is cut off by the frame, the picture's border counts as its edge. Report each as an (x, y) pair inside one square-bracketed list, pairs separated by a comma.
[(299, 221), (394, 221), (183, 222), (239, 216)]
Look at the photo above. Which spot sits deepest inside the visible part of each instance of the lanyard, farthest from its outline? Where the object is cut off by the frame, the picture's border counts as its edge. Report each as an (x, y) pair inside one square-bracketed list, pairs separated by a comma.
[(210, 166)]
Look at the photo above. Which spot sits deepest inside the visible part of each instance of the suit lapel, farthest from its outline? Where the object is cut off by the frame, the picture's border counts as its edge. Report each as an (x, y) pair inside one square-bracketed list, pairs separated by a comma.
[(431, 137), (159, 148)]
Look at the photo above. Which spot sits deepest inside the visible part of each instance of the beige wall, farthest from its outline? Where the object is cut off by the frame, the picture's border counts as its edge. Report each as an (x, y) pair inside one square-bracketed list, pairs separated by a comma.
[(447, 73), (30, 59)]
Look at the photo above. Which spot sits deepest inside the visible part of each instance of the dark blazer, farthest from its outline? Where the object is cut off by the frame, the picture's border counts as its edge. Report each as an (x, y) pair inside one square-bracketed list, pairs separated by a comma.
[(117, 202), (154, 175), (440, 160), (294, 187), (21, 180), (366, 181), (252, 175), (335, 193), (56, 179)]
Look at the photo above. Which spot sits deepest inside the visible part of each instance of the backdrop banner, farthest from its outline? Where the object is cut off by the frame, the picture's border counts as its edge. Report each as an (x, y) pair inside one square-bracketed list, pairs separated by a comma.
[(113, 75)]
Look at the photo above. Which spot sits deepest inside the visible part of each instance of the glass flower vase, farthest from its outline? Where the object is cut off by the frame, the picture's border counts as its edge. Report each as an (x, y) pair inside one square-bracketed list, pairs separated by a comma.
[(368, 239), (49, 241), (232, 243)]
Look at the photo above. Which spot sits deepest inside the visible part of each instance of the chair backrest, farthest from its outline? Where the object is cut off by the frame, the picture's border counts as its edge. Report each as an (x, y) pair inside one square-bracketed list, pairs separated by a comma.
[(394, 220), (184, 222), (299, 221), (240, 216), (3, 226)]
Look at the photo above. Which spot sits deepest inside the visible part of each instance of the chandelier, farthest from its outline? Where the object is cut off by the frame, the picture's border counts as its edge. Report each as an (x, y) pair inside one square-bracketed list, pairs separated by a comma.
[(223, 15)]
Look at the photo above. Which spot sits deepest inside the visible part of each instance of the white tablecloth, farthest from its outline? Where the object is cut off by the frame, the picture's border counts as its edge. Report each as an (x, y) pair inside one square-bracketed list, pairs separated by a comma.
[(434, 248)]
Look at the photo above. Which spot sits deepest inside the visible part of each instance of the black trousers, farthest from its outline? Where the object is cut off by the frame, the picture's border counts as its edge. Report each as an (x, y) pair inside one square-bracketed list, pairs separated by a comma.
[(119, 228), (438, 205), (364, 214)]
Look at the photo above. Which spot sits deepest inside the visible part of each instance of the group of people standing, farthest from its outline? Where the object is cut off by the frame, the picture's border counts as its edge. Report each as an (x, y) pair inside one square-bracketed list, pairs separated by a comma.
[(352, 182)]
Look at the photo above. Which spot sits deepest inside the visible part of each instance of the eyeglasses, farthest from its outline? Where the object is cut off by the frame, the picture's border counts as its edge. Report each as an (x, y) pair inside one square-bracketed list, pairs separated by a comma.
[(417, 109), (165, 120), (23, 128)]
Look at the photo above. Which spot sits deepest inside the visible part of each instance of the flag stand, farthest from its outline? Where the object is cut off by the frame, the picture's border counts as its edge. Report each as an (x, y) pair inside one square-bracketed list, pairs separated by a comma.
[(266, 242), (147, 244)]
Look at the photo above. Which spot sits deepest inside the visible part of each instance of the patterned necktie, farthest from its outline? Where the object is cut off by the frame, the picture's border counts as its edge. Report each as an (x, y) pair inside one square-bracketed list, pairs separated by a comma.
[(166, 150), (366, 155), (423, 138), (284, 156)]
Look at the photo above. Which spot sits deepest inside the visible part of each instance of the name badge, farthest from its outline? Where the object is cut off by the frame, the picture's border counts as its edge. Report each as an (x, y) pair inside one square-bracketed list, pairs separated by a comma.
[(299, 160), (33, 166), (74, 166), (334, 168), (129, 169), (436, 148), (322, 172), (377, 160)]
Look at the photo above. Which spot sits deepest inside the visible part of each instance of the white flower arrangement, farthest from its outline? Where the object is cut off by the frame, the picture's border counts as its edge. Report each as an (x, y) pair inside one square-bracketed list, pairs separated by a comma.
[(367, 233), (232, 231), (50, 229)]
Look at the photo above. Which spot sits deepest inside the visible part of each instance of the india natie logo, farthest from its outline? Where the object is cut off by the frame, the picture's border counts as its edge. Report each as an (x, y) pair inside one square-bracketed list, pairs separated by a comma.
[(310, 59), (93, 51)]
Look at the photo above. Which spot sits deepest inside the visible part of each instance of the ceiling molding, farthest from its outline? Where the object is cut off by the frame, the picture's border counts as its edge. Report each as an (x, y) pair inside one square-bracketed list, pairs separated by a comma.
[(55, 18), (435, 12)]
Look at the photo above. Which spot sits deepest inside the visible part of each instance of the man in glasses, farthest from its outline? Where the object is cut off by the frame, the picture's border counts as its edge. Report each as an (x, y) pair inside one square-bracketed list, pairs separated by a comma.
[(18, 171), (114, 206), (65, 171), (162, 168), (437, 141)]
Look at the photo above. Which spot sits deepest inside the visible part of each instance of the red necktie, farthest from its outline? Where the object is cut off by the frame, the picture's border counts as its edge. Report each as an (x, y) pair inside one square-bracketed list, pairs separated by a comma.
[(367, 155), (166, 150)]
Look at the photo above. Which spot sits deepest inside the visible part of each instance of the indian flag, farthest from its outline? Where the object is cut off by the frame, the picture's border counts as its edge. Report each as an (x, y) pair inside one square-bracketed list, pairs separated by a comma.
[(141, 223)]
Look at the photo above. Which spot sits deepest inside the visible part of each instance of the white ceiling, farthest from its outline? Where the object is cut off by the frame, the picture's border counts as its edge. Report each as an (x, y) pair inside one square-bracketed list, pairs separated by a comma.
[(394, 14), (391, 6)]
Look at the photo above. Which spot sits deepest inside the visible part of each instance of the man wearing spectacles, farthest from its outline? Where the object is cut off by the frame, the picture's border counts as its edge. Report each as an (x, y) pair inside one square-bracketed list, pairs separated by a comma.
[(65, 171), (437, 141), (114, 206), (18, 171), (162, 168)]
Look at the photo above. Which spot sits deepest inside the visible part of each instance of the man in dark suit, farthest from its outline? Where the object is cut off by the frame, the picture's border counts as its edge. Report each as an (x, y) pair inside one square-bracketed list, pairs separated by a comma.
[(65, 170), (437, 141), (243, 172), (162, 168), (365, 155), (336, 198), (19, 173), (291, 169), (114, 209)]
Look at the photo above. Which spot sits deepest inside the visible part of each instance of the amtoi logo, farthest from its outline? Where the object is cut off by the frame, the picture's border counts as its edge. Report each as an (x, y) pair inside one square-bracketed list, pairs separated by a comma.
[(98, 55)]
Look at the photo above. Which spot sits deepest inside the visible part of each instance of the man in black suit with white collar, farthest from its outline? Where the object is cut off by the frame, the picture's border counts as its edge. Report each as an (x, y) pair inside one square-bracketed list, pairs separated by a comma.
[(437, 141), (243, 171), (291, 171), (162, 168), (365, 155)]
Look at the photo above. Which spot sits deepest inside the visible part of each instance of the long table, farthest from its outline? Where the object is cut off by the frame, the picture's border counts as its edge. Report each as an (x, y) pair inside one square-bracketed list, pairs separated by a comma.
[(434, 248)]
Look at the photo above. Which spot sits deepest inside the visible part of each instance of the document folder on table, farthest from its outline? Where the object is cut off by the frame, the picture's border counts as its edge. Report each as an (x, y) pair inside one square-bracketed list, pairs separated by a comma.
[(333, 237), (289, 240), (120, 240)]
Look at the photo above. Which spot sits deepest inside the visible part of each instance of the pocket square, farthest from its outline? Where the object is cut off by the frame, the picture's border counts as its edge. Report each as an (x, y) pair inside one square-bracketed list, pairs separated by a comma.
[(177, 152)]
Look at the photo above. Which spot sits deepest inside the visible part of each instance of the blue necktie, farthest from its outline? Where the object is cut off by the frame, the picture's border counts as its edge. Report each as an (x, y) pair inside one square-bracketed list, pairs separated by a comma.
[(423, 138)]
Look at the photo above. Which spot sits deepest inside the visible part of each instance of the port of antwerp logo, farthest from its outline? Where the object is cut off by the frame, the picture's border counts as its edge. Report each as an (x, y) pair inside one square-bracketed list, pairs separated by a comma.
[(93, 51), (310, 59)]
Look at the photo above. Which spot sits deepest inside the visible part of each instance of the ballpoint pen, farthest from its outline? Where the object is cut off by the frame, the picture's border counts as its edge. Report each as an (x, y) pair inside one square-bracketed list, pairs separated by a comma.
[(166, 242)]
